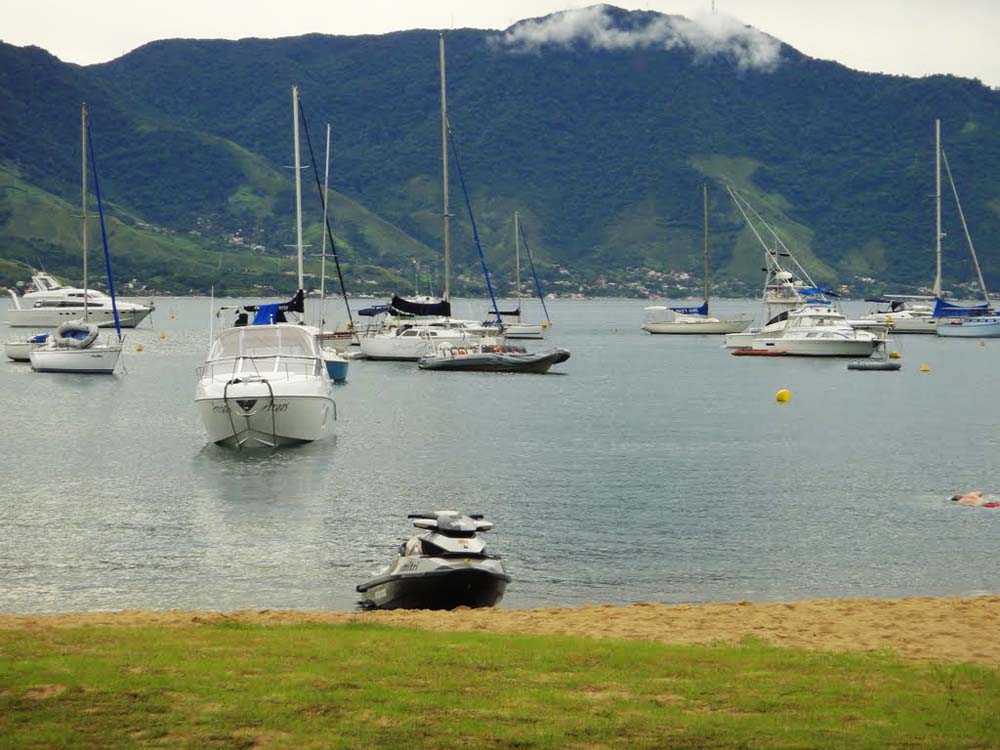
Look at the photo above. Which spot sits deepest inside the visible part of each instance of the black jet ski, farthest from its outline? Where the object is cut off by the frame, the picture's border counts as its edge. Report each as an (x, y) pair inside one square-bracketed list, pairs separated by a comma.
[(442, 567)]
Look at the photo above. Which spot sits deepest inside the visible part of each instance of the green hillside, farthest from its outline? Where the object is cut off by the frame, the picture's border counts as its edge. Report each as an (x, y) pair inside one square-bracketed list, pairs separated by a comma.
[(603, 151)]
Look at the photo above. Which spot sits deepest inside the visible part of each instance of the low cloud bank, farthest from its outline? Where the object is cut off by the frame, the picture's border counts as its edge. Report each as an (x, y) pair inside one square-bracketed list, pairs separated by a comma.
[(706, 35)]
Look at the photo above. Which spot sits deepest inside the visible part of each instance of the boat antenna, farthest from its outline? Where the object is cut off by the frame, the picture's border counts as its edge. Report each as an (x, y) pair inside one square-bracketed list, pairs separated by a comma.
[(104, 239), (965, 227), (83, 193), (326, 218), (445, 215), (475, 232)]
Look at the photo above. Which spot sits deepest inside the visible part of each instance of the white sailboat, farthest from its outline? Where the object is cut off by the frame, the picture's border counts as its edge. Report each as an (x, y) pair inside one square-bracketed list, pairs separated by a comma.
[(514, 326), (415, 328), (267, 385), (686, 320), (74, 346), (915, 313)]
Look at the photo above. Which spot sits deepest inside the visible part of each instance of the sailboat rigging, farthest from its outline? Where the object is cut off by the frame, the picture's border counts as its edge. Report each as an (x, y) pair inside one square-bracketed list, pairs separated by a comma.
[(686, 320)]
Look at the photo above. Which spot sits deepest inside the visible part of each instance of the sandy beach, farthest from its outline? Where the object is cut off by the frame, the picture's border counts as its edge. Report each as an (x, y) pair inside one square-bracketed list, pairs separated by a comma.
[(930, 629)]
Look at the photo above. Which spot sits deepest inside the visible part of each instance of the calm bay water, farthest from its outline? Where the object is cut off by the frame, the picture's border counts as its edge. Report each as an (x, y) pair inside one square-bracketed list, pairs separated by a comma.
[(656, 468)]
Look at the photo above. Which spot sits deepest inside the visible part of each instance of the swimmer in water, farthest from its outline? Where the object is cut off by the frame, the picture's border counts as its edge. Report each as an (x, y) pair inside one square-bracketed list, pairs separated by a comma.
[(975, 498)]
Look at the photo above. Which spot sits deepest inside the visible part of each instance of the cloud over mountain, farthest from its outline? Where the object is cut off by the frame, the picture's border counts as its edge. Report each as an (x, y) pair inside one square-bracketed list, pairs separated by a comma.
[(706, 35)]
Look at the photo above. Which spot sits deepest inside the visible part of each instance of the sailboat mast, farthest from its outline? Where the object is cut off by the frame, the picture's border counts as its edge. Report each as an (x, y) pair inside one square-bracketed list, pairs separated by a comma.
[(326, 213), (517, 259), (704, 188), (83, 200), (445, 216), (937, 198), (298, 184)]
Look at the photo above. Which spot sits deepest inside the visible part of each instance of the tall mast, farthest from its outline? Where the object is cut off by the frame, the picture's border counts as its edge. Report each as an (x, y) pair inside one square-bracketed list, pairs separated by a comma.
[(704, 188), (937, 199), (444, 176), (298, 184), (326, 213), (517, 259), (83, 200)]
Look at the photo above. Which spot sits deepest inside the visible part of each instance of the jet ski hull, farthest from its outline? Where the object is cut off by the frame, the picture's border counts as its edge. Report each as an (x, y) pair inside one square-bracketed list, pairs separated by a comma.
[(465, 586)]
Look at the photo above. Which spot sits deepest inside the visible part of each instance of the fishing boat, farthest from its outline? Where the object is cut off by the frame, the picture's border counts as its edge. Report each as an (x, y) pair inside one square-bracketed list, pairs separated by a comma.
[(265, 382), (662, 319), (444, 566), (74, 346), (818, 330), (783, 290), (514, 326), (493, 359), (396, 338)]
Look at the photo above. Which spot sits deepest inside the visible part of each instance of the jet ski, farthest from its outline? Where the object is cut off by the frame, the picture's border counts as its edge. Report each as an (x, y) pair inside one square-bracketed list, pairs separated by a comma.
[(443, 566)]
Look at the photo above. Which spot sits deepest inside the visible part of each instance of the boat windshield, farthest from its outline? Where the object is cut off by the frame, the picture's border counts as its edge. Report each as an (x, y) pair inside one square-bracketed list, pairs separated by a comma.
[(264, 341)]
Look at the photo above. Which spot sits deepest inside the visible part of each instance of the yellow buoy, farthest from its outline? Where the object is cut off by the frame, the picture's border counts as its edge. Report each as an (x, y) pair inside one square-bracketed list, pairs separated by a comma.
[(163, 337), (925, 368), (894, 355), (545, 324), (783, 396), (138, 347)]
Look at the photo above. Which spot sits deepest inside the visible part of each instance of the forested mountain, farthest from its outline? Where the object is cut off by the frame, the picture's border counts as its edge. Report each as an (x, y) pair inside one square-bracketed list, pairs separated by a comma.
[(599, 126)]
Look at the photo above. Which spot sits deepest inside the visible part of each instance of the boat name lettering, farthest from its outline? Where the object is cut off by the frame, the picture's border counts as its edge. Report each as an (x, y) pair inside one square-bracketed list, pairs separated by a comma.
[(276, 407)]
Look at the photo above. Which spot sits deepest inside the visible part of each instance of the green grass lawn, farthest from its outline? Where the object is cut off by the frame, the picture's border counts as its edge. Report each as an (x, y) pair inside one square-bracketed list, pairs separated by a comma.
[(364, 686)]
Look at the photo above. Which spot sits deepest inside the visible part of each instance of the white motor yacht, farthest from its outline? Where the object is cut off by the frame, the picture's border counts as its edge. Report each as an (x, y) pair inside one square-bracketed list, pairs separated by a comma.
[(904, 314), (817, 330), (51, 304), (265, 386), (412, 341)]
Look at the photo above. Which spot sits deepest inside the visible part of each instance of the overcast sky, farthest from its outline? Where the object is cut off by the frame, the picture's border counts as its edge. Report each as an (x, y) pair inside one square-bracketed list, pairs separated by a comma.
[(909, 37)]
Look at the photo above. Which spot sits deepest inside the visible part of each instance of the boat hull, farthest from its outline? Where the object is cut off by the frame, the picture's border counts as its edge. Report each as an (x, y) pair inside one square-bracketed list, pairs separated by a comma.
[(818, 347), (696, 327), (253, 420), (465, 585), (52, 317), (534, 331), (537, 363), (970, 328), (17, 350), (95, 360)]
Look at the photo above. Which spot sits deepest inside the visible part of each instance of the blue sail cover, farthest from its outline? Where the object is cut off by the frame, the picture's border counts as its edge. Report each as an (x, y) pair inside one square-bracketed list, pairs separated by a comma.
[(703, 310), (943, 309)]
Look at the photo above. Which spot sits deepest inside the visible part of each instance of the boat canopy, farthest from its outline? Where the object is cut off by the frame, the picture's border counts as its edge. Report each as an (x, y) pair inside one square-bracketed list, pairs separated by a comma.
[(265, 341), (943, 309)]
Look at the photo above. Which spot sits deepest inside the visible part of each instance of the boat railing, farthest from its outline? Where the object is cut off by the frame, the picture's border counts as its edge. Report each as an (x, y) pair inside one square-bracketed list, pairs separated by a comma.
[(272, 366)]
